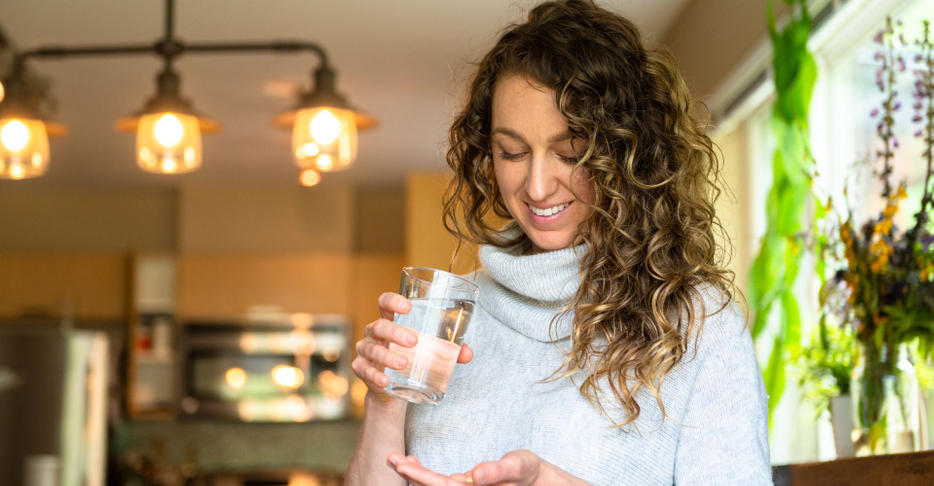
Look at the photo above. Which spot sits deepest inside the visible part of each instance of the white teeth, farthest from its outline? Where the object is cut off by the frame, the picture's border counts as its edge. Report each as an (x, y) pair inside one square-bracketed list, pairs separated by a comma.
[(548, 211)]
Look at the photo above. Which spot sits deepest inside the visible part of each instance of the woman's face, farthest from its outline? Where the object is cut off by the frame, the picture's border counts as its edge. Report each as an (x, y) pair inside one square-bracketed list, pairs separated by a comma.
[(533, 157)]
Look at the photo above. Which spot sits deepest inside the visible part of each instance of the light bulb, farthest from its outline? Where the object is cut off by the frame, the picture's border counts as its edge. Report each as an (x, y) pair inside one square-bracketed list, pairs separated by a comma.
[(169, 165), (14, 135), (310, 178), (287, 376), (169, 130), (325, 162), (324, 139), (236, 377), (325, 127), (24, 148), (168, 143), (17, 171), (2, 92)]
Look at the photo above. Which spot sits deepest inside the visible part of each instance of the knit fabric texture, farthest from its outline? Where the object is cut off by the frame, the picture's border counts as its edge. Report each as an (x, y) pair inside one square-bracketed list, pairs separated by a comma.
[(715, 431)]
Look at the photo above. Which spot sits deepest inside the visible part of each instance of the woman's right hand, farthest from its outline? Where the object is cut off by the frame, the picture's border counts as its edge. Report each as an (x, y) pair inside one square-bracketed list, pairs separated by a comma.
[(374, 356)]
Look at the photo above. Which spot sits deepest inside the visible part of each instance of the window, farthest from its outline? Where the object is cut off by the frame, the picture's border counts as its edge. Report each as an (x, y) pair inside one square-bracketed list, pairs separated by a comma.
[(843, 138)]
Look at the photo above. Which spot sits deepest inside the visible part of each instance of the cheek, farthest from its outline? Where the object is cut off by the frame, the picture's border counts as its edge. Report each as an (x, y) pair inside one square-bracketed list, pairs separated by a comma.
[(583, 186), (508, 179)]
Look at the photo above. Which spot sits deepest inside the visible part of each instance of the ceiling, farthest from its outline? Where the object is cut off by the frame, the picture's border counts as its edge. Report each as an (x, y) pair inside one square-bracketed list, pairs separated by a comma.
[(403, 62)]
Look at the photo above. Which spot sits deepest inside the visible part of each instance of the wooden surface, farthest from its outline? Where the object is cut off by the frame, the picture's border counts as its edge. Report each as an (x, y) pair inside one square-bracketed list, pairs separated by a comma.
[(914, 469), (52, 284)]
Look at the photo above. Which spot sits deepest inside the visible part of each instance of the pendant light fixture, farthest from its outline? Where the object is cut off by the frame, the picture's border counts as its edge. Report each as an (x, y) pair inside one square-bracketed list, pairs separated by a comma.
[(24, 132), (324, 126), (168, 129)]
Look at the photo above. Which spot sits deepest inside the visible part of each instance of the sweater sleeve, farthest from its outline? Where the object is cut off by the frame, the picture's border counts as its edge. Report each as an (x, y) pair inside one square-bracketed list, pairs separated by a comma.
[(724, 438)]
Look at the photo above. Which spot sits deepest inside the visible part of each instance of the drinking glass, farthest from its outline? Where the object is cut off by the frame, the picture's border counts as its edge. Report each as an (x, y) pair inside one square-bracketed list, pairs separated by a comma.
[(441, 307)]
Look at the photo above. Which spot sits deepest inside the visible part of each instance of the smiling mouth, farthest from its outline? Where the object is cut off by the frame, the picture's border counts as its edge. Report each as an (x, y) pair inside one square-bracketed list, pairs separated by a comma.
[(551, 211)]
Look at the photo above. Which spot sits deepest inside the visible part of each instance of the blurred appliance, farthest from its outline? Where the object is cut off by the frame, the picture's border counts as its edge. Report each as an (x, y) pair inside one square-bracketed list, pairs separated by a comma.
[(279, 368), (53, 392)]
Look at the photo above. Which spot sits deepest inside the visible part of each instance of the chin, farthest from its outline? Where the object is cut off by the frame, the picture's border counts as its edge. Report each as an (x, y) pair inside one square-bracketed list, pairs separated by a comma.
[(549, 242)]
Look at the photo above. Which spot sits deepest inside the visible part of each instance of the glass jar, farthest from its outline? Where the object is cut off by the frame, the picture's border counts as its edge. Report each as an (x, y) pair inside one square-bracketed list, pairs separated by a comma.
[(886, 402)]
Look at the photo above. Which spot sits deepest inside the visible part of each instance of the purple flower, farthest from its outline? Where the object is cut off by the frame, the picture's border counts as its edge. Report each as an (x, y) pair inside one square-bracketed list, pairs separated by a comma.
[(901, 37), (918, 134), (901, 63), (879, 56), (918, 58), (917, 106), (894, 142), (898, 104), (898, 22), (878, 37), (916, 119), (874, 112)]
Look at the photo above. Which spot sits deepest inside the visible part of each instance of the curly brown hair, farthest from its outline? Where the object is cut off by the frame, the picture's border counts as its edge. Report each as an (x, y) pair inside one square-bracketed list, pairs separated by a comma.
[(652, 236)]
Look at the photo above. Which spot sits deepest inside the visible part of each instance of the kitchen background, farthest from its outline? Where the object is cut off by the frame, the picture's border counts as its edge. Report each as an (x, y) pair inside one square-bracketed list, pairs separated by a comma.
[(98, 248)]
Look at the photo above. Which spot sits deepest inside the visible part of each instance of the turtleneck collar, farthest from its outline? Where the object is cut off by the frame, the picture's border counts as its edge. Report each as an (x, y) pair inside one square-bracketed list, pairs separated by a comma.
[(526, 291)]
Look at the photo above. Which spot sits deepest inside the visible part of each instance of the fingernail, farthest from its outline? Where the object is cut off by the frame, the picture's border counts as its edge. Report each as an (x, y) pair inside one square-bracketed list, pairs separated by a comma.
[(410, 339), (400, 362)]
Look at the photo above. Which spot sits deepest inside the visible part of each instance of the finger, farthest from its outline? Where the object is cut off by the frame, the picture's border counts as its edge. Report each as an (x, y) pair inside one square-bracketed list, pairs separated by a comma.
[(385, 330), (417, 474), (376, 377), (462, 478), (369, 373), (394, 458), (516, 466), (466, 354), (391, 303), (381, 355)]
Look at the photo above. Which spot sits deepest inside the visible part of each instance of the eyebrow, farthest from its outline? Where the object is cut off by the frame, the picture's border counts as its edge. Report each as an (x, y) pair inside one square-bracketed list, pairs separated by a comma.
[(514, 134)]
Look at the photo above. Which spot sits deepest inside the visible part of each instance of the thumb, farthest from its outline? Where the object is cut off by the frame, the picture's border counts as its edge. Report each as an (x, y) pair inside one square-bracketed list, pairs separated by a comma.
[(466, 354)]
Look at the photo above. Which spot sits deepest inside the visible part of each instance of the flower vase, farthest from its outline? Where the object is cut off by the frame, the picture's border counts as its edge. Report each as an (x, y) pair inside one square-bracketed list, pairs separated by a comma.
[(886, 402), (841, 419)]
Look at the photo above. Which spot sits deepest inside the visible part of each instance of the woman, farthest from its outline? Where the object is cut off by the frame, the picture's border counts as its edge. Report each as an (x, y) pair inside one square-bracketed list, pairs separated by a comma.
[(606, 349)]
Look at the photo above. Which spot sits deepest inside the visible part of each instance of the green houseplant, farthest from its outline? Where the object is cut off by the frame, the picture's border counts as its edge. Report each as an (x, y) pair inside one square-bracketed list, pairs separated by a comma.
[(776, 266)]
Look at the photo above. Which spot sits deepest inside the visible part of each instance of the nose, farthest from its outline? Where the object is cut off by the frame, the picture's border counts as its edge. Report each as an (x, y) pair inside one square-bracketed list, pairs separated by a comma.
[(541, 180)]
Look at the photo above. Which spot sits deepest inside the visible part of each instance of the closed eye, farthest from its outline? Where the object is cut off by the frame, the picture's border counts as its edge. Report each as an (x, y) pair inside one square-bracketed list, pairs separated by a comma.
[(511, 156)]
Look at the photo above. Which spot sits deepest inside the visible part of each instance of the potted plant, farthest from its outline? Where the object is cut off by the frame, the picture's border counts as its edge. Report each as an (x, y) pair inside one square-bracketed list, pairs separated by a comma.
[(823, 368)]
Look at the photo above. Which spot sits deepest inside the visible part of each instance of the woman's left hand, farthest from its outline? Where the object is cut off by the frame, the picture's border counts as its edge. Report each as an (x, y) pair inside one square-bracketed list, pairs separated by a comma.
[(517, 468)]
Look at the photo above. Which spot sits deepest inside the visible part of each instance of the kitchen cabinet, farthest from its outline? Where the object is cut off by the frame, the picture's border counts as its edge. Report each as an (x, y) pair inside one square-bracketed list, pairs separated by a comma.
[(90, 286), (230, 285)]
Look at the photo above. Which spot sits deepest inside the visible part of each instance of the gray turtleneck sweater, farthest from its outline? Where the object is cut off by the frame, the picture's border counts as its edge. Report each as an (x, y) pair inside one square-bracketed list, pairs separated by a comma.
[(716, 426)]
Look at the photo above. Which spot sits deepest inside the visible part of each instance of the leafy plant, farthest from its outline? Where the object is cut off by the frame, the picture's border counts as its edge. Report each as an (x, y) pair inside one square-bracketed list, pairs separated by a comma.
[(824, 365), (776, 266)]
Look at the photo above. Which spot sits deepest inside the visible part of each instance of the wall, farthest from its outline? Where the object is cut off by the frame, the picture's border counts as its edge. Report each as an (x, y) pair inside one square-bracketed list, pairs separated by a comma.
[(427, 242), (711, 38), (266, 218), (380, 213), (36, 218)]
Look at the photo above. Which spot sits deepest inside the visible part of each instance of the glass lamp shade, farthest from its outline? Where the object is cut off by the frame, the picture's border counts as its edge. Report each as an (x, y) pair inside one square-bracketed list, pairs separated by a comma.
[(24, 148), (168, 143), (324, 139)]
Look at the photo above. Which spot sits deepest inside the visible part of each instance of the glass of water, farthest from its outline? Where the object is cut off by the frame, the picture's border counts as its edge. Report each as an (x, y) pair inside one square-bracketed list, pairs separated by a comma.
[(441, 307)]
